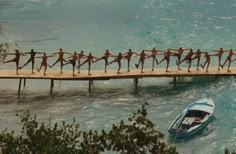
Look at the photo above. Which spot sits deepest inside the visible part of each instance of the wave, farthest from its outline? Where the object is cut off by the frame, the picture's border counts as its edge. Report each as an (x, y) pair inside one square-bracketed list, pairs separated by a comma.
[(41, 40), (5, 3)]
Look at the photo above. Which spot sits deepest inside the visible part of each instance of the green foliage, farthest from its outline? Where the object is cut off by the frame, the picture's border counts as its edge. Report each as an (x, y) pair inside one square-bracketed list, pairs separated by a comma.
[(227, 152), (38, 138), (4, 49), (137, 135)]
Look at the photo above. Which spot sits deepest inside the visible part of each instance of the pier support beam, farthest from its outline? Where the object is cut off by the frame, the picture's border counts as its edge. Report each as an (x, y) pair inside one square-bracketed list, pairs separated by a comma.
[(52, 85), (135, 84), (174, 81), (90, 85), (24, 82), (216, 77), (19, 88)]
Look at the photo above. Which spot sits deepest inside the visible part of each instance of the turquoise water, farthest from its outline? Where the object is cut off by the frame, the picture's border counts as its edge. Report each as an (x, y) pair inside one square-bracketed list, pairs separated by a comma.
[(95, 25)]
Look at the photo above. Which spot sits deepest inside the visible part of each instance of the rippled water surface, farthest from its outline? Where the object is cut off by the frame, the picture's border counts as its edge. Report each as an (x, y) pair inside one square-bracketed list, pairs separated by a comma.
[(95, 25)]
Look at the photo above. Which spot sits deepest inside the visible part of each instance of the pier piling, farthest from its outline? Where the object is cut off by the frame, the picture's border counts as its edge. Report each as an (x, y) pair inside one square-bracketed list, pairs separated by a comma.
[(90, 85), (52, 85), (174, 81), (136, 84), (19, 87), (24, 82)]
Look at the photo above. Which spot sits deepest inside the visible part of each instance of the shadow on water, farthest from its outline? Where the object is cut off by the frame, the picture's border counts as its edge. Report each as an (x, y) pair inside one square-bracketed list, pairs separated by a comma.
[(97, 91), (185, 84), (112, 92), (11, 97)]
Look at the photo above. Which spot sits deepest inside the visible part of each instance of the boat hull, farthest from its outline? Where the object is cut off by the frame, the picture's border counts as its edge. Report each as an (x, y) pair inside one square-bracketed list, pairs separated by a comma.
[(182, 134), (205, 106)]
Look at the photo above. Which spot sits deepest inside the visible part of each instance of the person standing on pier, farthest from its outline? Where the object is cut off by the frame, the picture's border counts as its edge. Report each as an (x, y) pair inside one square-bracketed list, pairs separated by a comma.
[(16, 59), (89, 61), (188, 58), (142, 57), (219, 54), (229, 59), (154, 55), (179, 54), (105, 56), (72, 61), (60, 58), (80, 56), (207, 61), (166, 57), (234, 58), (198, 57), (117, 59), (128, 56), (31, 59), (43, 63)]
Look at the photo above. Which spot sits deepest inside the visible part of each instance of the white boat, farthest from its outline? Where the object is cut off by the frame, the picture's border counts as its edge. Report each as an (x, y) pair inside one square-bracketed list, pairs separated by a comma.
[(193, 118)]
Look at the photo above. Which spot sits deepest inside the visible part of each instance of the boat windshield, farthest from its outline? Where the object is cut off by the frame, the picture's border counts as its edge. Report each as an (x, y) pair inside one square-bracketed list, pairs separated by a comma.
[(196, 114), (193, 118)]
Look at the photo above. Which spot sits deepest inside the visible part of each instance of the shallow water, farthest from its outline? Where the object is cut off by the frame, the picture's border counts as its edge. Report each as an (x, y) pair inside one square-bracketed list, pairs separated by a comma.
[(93, 26)]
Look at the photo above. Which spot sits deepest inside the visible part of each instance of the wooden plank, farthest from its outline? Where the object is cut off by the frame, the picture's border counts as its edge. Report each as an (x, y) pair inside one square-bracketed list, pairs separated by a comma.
[(111, 74)]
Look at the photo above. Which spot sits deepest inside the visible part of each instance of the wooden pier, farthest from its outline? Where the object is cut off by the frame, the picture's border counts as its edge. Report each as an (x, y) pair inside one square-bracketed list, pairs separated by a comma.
[(134, 74)]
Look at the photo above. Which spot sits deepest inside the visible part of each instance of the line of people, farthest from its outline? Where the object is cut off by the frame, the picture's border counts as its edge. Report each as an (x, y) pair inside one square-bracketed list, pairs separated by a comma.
[(75, 57)]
